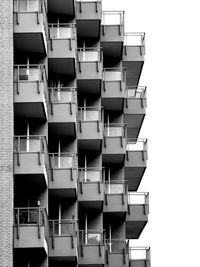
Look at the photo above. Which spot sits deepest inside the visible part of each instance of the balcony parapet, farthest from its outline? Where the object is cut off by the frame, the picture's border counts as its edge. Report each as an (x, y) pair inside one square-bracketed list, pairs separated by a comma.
[(30, 228), (135, 39), (112, 18), (136, 93), (137, 145), (112, 130), (139, 199), (117, 252), (90, 55)]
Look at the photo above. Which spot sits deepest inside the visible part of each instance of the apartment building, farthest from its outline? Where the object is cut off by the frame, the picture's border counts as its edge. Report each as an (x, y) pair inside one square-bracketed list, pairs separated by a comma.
[(71, 113)]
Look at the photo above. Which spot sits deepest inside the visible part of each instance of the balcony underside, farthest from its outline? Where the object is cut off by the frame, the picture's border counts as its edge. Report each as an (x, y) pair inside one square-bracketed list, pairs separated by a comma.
[(62, 66), (90, 145), (84, 25), (30, 42), (113, 104), (134, 124), (31, 180), (134, 176), (112, 49), (35, 110), (62, 192), (133, 72), (89, 86), (61, 7), (113, 158), (62, 128), (134, 229), (95, 204), (35, 256)]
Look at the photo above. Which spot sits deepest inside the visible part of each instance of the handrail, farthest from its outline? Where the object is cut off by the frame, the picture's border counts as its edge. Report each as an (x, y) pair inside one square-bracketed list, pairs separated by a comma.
[(122, 245), (84, 174), (91, 237), (109, 126), (57, 222), (98, 50), (121, 70), (129, 35), (62, 90), (21, 220), (56, 26), (40, 6), (135, 194), (138, 92), (116, 182), (83, 113), (111, 13), (144, 256), (72, 155)]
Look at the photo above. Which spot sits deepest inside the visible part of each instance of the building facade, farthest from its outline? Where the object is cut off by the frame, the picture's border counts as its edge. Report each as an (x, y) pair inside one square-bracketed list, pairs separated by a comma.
[(71, 113)]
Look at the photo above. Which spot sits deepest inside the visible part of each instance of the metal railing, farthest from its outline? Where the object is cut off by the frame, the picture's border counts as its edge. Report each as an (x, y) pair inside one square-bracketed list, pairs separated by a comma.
[(62, 229), (62, 31), (139, 253), (136, 93), (112, 18), (62, 95), (63, 161), (115, 187), (91, 174), (34, 144), (137, 145), (115, 130), (96, 2), (30, 216), (90, 54), (118, 246), (114, 74), (91, 237), (90, 114), (138, 199), (135, 39)]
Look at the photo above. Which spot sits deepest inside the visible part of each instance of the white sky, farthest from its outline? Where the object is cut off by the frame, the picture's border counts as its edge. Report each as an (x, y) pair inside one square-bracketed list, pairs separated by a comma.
[(172, 124)]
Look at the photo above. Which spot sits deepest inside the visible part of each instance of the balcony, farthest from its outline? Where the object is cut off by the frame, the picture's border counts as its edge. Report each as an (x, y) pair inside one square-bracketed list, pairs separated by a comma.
[(30, 91), (64, 174), (116, 253), (137, 216), (91, 248), (114, 148), (63, 111), (62, 49), (139, 257), (88, 18), (116, 201), (63, 241), (134, 109), (30, 26), (90, 128), (113, 92), (136, 162), (61, 8), (30, 229), (133, 56), (90, 70), (91, 188), (112, 33), (31, 160)]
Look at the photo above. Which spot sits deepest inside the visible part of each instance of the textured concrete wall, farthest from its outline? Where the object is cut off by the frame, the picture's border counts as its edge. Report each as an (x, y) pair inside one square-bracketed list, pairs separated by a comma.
[(6, 133)]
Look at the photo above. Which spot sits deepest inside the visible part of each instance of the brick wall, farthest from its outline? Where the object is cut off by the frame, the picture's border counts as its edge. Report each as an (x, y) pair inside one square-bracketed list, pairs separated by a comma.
[(6, 133)]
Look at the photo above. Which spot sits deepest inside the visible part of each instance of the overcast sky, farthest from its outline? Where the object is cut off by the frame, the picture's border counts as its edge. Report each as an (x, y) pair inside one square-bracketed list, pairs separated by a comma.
[(172, 125)]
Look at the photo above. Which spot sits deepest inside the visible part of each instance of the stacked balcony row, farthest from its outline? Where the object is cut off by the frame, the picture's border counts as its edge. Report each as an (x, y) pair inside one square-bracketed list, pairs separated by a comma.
[(62, 241)]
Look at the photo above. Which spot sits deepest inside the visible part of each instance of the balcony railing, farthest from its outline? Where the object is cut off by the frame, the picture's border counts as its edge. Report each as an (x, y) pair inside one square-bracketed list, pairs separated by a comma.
[(62, 95), (31, 216), (139, 199), (91, 237), (114, 74), (114, 130), (136, 144), (116, 187), (62, 228), (117, 246), (87, 1), (112, 18), (139, 253), (90, 54), (91, 175), (63, 161), (32, 73), (135, 39), (90, 114)]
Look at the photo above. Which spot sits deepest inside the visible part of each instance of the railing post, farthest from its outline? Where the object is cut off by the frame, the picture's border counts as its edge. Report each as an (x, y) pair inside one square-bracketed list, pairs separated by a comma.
[(70, 44), (40, 152), (53, 235), (106, 199), (97, 66), (81, 186), (124, 256), (99, 248), (71, 111), (79, 66), (39, 226), (104, 141), (18, 151), (99, 187), (18, 79), (121, 141), (18, 222), (107, 258), (81, 244), (96, 7), (127, 155), (52, 165)]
